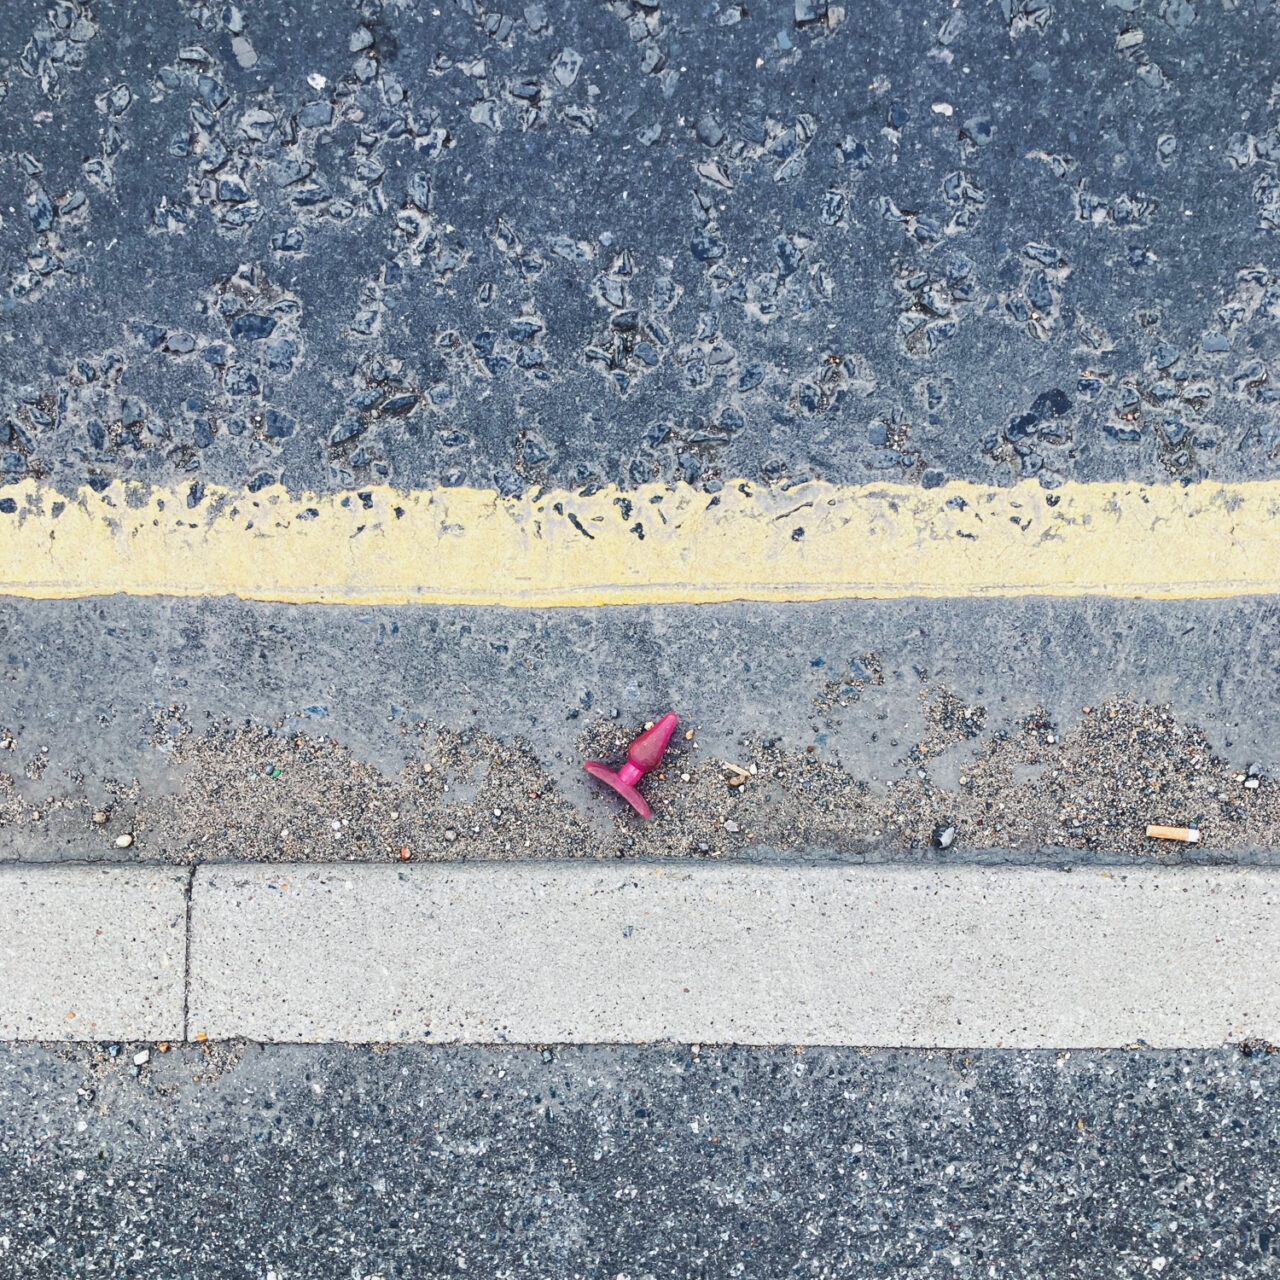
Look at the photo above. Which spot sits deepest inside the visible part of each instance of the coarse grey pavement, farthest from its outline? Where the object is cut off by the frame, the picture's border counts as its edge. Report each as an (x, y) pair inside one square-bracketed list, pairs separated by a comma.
[(92, 953), (442, 246), (589, 1163)]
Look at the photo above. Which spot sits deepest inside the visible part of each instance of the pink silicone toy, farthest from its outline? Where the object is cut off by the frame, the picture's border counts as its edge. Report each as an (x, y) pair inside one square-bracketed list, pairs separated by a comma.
[(643, 756)]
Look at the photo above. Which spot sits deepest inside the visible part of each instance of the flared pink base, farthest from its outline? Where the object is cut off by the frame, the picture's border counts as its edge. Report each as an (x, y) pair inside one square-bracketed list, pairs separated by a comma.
[(625, 790)]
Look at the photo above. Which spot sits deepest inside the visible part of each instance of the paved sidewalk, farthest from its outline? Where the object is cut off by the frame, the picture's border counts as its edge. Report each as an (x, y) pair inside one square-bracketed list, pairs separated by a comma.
[(611, 952)]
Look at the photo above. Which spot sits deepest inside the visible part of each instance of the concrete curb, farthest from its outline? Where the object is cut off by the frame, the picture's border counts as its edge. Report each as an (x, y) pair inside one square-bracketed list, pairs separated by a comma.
[(92, 953), (611, 952), (599, 952)]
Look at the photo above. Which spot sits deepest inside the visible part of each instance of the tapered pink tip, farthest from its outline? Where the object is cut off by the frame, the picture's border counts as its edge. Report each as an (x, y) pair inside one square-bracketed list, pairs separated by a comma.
[(646, 751)]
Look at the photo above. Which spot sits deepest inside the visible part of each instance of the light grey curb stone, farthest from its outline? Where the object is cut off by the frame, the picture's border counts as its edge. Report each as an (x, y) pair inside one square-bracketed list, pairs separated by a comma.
[(616, 952), (92, 953)]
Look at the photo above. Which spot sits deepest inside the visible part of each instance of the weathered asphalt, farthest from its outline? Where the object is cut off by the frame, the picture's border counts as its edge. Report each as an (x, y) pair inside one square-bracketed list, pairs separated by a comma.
[(574, 244), (655, 1162)]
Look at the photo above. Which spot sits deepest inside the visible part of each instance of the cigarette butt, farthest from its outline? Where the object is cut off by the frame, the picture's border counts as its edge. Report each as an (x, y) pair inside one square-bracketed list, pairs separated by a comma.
[(1188, 835)]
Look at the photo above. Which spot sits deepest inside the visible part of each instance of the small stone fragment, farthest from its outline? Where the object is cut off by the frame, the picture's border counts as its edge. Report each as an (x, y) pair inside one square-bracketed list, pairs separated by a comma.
[(708, 129), (566, 67)]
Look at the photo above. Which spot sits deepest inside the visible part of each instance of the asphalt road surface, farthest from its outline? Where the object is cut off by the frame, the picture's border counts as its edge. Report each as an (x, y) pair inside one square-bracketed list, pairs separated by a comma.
[(265, 267), (661, 1162), (572, 244)]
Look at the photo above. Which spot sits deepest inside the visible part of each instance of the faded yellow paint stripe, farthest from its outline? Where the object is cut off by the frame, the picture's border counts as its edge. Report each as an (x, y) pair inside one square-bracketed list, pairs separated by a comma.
[(813, 541)]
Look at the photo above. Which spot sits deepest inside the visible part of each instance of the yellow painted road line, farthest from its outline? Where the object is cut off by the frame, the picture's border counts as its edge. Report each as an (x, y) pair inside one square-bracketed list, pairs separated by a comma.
[(813, 541)]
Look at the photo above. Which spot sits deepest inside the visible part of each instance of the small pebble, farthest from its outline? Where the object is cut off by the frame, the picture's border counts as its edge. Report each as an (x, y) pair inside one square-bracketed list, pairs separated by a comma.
[(451, 835), (730, 825), (141, 1058), (124, 841), (100, 817)]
